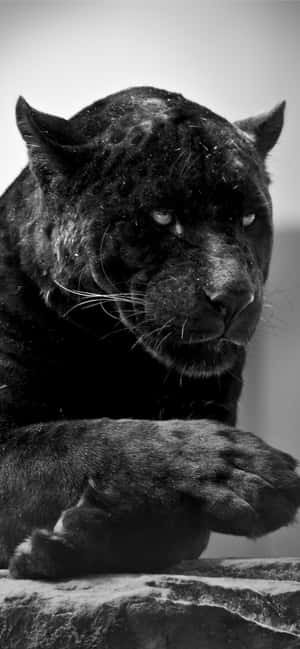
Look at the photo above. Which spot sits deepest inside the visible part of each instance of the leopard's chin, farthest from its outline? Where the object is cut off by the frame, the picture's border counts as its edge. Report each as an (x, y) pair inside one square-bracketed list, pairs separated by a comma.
[(202, 359)]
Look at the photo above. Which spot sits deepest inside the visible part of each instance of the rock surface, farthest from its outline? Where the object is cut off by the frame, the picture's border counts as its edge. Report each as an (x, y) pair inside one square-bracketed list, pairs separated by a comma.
[(205, 604)]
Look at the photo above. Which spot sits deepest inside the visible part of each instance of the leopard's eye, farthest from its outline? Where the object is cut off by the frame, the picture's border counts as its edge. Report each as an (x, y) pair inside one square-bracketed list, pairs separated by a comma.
[(248, 220), (162, 218)]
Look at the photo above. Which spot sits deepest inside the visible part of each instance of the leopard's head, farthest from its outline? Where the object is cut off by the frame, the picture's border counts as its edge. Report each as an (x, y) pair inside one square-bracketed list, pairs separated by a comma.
[(163, 207)]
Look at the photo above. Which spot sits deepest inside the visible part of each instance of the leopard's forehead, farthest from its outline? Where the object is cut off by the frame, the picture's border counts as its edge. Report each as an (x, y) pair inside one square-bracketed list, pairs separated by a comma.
[(171, 136), (143, 116), (169, 121), (146, 107), (150, 111), (153, 112), (154, 104)]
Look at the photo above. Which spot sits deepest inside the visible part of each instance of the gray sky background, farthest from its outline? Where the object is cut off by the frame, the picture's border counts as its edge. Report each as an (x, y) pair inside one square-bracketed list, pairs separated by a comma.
[(237, 57)]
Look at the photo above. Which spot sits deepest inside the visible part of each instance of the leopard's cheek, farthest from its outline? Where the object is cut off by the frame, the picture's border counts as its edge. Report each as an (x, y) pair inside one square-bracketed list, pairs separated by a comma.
[(135, 258)]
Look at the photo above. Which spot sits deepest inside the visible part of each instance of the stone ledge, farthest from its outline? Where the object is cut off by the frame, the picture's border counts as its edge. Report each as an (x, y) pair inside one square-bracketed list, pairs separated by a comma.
[(205, 604)]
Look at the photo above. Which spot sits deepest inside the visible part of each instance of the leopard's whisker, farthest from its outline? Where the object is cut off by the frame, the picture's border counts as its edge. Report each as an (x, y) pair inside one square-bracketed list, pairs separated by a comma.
[(158, 346), (114, 317), (183, 328), (96, 301), (110, 283), (143, 337), (151, 333), (118, 330), (77, 306), (104, 296)]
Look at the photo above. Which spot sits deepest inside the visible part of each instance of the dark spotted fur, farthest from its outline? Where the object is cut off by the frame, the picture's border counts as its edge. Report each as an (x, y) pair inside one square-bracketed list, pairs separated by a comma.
[(131, 283)]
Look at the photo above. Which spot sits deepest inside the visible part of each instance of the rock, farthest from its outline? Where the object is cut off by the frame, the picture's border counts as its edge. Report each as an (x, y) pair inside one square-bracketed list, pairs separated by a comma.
[(205, 604), (287, 569)]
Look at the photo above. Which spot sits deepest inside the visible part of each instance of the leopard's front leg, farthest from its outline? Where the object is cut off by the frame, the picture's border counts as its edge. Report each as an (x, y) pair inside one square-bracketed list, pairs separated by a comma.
[(156, 490)]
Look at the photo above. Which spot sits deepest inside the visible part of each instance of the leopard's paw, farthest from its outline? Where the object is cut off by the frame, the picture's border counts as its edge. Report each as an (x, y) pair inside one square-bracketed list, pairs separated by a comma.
[(43, 555), (249, 488)]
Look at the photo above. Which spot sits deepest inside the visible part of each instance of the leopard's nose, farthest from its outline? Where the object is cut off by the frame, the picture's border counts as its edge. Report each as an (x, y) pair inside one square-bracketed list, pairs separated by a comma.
[(230, 303)]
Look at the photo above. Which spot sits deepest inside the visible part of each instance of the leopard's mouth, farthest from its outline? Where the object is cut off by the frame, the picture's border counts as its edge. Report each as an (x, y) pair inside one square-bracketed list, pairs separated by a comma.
[(200, 354), (210, 354), (202, 358), (195, 346)]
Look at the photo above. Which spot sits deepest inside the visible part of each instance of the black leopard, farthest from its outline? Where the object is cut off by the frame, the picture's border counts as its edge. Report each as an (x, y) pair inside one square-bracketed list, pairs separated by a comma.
[(134, 251)]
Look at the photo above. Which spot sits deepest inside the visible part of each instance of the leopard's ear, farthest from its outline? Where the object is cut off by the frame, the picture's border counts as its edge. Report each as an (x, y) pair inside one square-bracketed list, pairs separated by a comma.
[(53, 144), (264, 129)]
